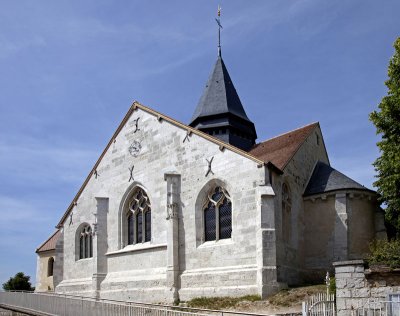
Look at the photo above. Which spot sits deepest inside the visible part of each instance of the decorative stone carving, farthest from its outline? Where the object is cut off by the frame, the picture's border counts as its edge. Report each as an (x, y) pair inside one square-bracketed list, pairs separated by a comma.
[(135, 148)]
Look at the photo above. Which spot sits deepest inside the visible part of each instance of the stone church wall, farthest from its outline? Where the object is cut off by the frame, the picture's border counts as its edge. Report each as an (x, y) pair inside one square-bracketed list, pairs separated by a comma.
[(362, 225), (345, 222), (139, 272), (318, 255), (291, 252), (44, 282)]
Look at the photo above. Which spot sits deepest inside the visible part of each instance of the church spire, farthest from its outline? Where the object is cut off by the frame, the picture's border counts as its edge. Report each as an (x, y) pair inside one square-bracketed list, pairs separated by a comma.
[(219, 30), (220, 112)]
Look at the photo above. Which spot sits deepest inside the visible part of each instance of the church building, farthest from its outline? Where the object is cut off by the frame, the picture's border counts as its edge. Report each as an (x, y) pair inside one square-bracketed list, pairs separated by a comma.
[(172, 211)]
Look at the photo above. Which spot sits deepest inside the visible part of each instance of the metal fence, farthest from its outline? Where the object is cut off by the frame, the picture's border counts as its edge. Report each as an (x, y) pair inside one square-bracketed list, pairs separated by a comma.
[(70, 305), (380, 308)]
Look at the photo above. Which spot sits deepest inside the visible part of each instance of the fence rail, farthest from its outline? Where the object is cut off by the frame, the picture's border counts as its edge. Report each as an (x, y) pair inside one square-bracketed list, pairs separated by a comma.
[(322, 304), (70, 305), (380, 308)]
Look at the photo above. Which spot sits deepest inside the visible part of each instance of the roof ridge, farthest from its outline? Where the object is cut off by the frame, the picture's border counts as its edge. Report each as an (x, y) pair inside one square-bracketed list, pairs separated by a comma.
[(294, 130), (300, 143), (200, 133), (48, 239)]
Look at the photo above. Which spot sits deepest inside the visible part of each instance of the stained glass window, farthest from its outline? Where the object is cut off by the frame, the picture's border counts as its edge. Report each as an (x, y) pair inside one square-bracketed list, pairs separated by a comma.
[(147, 235), (225, 219), (130, 229), (139, 227), (217, 215), (139, 218), (209, 222), (81, 247)]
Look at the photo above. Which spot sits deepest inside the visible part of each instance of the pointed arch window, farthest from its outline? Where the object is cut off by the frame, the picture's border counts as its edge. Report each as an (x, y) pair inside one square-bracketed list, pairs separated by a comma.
[(85, 243), (138, 218), (286, 213), (217, 214)]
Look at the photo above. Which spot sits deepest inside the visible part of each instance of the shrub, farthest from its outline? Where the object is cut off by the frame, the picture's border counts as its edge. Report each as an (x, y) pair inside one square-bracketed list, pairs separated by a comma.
[(20, 282), (332, 285), (385, 253)]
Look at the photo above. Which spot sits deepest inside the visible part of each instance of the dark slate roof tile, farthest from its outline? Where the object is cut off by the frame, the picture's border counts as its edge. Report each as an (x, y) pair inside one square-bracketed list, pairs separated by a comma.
[(219, 96), (326, 179)]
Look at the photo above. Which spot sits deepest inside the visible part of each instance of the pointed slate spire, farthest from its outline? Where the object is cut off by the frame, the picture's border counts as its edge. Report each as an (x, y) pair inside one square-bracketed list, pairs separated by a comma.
[(220, 112)]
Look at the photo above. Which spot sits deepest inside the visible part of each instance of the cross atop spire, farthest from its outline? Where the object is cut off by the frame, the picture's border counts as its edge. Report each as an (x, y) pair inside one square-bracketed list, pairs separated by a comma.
[(219, 30), (220, 112)]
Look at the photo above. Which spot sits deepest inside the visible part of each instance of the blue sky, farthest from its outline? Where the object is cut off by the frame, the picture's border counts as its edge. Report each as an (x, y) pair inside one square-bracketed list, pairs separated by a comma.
[(69, 71)]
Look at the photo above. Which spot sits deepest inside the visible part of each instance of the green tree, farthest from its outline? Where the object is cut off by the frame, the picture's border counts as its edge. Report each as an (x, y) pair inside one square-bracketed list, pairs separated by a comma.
[(387, 122), (20, 282)]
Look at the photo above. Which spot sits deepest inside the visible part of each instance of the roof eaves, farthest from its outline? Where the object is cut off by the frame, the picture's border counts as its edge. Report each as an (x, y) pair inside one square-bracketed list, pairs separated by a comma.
[(340, 190), (47, 240), (273, 167)]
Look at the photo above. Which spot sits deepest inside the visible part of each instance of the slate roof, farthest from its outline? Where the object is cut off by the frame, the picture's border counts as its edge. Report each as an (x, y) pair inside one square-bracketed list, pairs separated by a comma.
[(326, 179), (50, 243), (280, 149), (219, 96)]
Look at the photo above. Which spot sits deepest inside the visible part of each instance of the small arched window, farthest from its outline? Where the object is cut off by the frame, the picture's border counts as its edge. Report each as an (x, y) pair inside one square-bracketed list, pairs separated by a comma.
[(217, 212), (50, 266), (85, 243), (286, 213), (138, 217)]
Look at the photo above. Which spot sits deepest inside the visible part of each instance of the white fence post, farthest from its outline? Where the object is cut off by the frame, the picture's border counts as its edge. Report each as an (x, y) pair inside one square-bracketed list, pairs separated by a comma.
[(304, 308), (321, 304)]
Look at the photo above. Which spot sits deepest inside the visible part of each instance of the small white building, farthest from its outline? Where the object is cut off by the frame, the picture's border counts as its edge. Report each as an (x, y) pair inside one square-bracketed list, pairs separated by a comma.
[(173, 211)]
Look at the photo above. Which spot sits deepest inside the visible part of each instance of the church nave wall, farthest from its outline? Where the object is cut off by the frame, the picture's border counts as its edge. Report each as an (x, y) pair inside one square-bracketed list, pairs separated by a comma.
[(291, 243), (134, 270)]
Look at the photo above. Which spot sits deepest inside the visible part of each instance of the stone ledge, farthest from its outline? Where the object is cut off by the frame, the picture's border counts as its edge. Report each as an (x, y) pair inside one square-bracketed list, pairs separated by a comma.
[(216, 243), (348, 263), (137, 247), (381, 269)]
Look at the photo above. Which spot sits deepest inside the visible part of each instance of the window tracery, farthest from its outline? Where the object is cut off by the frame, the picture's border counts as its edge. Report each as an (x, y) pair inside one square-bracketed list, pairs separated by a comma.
[(217, 214), (138, 218), (85, 243)]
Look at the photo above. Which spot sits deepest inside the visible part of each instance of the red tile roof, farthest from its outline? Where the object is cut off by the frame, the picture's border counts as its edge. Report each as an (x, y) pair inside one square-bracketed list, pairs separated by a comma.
[(280, 149), (49, 244)]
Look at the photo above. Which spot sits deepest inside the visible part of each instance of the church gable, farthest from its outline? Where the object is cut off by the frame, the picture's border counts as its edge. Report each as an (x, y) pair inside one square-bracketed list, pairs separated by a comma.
[(132, 139), (281, 149), (303, 157), (147, 151)]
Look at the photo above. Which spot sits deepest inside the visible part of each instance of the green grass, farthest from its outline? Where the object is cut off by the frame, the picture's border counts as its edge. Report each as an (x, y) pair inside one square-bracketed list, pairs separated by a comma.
[(285, 298), (220, 302)]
